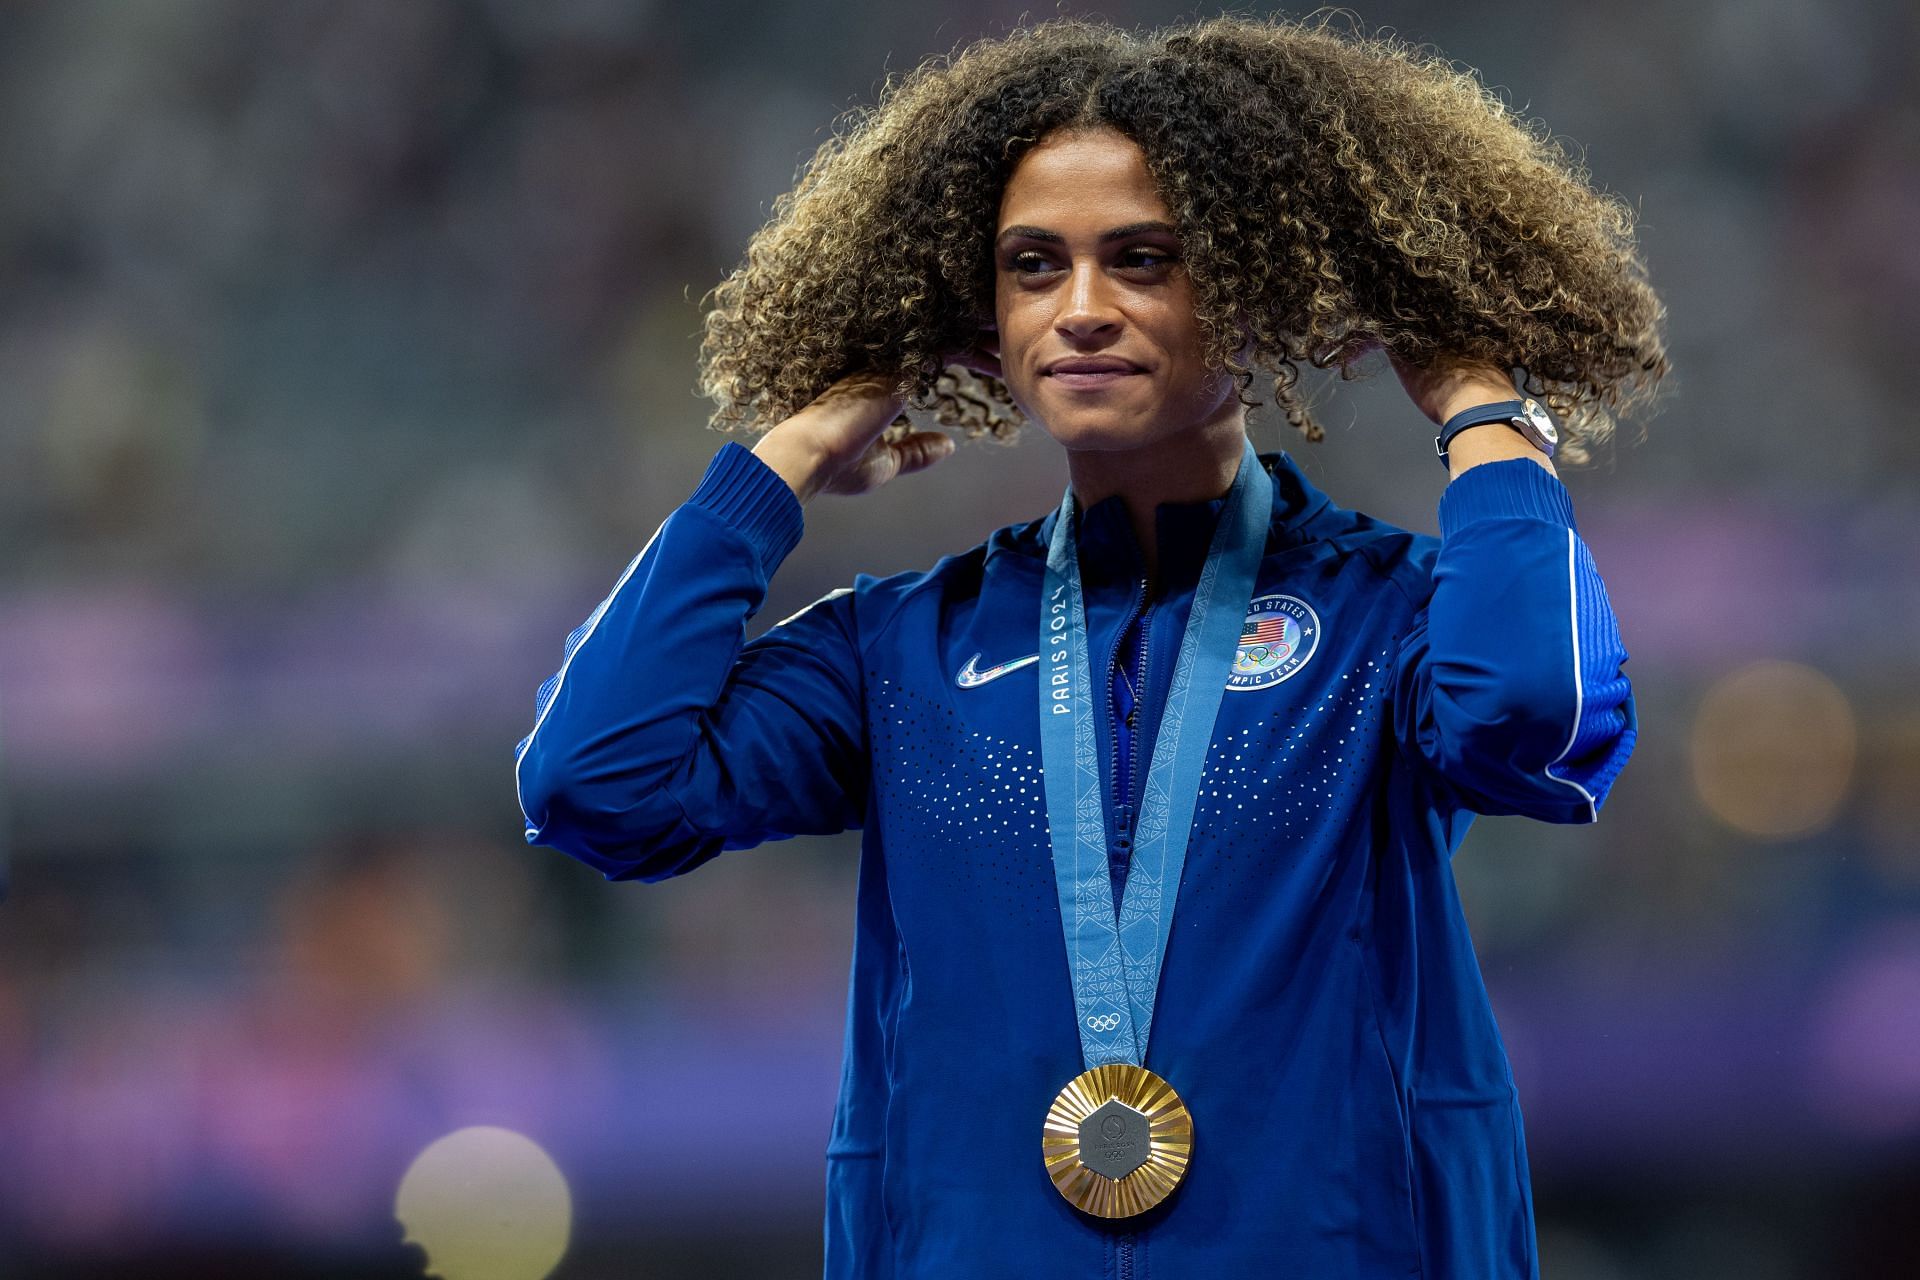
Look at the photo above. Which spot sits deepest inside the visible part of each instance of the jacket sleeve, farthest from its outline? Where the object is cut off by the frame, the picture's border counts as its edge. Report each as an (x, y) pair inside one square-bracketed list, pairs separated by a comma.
[(663, 739), (1509, 687)]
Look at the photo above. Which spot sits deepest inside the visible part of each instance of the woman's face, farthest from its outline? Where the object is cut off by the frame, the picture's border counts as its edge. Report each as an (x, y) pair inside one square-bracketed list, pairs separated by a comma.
[(1087, 272)]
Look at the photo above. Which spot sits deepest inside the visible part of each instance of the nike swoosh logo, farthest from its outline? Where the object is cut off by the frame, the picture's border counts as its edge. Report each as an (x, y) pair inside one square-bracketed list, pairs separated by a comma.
[(971, 677)]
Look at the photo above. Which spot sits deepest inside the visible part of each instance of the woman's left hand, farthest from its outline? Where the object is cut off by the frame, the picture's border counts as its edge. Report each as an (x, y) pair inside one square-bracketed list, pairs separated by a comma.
[(1444, 388)]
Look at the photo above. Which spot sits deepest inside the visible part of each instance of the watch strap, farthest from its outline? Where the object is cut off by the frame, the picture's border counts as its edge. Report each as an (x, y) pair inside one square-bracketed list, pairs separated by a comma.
[(1512, 412)]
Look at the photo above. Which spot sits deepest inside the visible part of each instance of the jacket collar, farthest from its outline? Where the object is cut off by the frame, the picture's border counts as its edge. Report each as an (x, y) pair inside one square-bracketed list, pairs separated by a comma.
[(1109, 552)]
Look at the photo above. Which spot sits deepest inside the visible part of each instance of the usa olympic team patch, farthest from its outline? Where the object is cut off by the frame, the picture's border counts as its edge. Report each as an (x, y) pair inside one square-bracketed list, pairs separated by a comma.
[(1280, 635)]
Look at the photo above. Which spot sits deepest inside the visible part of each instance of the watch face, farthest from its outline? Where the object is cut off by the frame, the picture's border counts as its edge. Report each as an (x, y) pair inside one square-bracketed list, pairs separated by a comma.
[(1542, 421)]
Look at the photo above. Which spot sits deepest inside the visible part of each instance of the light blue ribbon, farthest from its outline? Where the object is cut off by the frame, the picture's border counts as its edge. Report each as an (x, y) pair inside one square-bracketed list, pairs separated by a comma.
[(1115, 963)]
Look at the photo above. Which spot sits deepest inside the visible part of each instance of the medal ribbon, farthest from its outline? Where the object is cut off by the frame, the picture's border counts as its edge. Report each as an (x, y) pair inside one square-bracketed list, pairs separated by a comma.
[(1115, 963)]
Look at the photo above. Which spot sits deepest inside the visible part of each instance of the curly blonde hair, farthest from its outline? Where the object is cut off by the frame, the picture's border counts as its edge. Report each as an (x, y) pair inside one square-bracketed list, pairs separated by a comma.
[(1336, 194)]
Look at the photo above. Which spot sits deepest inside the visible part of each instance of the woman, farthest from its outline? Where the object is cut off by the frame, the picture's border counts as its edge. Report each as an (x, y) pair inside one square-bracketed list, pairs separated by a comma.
[(1296, 1072)]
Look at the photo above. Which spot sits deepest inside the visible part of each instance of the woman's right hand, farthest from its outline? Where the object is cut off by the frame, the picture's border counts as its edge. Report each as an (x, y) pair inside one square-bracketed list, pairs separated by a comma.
[(833, 445)]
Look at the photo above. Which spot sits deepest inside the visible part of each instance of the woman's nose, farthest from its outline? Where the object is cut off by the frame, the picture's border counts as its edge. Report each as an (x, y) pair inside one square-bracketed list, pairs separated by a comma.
[(1087, 305)]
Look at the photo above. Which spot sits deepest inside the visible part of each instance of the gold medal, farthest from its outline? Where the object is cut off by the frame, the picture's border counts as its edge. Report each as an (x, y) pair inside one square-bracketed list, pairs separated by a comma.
[(1117, 1140)]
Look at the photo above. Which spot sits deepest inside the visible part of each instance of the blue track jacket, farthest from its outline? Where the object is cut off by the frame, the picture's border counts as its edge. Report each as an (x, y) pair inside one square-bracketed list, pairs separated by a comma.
[(1320, 1008)]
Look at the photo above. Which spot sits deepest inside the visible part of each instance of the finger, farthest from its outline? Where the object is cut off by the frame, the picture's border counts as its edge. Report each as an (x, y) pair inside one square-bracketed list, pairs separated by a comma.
[(922, 449)]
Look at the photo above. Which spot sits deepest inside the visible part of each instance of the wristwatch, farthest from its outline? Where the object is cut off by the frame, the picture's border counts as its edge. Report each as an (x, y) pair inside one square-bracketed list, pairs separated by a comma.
[(1529, 417)]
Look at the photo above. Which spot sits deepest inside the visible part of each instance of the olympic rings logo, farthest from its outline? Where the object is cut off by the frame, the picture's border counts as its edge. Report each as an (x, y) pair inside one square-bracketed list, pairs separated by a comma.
[(1104, 1022)]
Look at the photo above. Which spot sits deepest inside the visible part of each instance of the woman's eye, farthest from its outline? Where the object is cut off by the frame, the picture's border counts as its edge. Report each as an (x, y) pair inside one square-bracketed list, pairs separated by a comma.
[(1032, 262)]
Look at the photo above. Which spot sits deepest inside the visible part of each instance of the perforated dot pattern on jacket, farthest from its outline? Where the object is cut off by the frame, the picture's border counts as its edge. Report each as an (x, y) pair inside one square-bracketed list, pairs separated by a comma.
[(1270, 789), (968, 808)]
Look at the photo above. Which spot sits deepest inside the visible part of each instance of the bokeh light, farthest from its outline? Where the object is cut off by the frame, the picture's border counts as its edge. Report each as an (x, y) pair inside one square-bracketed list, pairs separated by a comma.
[(486, 1204), (1773, 749)]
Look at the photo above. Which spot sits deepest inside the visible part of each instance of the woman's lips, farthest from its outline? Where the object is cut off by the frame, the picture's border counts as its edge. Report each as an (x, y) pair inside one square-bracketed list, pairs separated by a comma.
[(1093, 381)]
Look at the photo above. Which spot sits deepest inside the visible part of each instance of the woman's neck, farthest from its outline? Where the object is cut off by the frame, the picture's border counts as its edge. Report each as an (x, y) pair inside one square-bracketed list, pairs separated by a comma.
[(1194, 466)]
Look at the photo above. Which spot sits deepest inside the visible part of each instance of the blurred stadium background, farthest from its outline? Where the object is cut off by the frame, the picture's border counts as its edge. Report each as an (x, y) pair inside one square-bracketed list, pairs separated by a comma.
[(348, 352)]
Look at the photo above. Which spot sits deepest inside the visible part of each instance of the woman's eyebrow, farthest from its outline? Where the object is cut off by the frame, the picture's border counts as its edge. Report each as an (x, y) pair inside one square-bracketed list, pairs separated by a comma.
[(1021, 232)]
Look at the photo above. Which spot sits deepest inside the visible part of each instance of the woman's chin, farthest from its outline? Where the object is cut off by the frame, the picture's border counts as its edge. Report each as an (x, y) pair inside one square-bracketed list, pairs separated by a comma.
[(1096, 433)]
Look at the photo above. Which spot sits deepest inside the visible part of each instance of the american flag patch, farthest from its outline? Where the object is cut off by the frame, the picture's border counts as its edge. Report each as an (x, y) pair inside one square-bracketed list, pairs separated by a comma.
[(1270, 629), (1277, 638)]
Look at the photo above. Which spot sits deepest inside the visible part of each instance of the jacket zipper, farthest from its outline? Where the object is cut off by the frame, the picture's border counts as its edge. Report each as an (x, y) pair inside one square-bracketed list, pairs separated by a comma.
[(1124, 782), (1124, 1244), (1122, 766), (1139, 692)]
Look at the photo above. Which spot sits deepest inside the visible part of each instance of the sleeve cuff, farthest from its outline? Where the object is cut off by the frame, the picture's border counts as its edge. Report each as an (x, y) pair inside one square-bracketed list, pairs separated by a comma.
[(750, 495), (1505, 489)]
